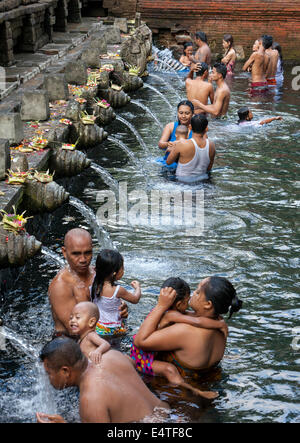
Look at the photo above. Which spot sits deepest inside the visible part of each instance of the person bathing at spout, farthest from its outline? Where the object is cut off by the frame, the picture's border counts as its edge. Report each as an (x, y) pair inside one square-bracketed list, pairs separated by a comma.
[(111, 392), (195, 156), (220, 104), (187, 56), (199, 88), (149, 363)]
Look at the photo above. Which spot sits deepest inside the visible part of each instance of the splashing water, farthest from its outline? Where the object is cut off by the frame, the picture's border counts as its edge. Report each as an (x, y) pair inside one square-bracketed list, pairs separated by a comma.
[(165, 83), (107, 177), (141, 105), (160, 94), (53, 256), (125, 149), (135, 132), (101, 234)]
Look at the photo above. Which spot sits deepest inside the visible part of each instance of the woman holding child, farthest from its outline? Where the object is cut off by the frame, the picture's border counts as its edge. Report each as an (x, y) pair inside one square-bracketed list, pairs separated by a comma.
[(190, 348), (185, 112)]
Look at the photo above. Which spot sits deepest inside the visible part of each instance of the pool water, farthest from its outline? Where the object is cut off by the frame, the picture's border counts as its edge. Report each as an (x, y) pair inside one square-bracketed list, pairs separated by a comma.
[(250, 236)]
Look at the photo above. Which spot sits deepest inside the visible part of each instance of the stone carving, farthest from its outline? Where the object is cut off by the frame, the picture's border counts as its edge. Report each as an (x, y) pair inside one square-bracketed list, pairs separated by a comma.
[(16, 249), (44, 196), (117, 99), (68, 163)]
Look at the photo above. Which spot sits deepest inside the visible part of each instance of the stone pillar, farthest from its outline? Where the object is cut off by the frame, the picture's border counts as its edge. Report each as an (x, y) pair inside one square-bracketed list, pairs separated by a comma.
[(35, 105), (56, 87), (74, 11), (4, 157), (61, 16), (6, 44), (11, 127)]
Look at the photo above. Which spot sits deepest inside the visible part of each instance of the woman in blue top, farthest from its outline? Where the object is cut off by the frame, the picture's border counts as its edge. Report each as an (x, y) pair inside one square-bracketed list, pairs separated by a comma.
[(185, 111)]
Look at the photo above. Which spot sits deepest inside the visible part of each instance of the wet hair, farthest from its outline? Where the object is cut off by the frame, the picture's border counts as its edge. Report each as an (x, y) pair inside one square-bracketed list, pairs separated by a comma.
[(186, 103), (92, 309), (108, 264), (200, 35), (243, 113), (181, 287), (186, 45), (222, 295), (229, 39), (62, 351), (267, 41), (221, 69), (203, 68), (199, 123), (278, 48), (182, 129)]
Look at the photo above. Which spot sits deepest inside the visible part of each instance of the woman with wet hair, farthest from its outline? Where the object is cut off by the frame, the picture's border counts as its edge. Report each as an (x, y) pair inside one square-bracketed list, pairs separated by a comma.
[(185, 112), (191, 349), (186, 58), (229, 58)]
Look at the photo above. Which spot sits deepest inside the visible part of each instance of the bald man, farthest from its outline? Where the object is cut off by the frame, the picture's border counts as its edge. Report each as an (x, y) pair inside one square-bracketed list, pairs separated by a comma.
[(73, 283)]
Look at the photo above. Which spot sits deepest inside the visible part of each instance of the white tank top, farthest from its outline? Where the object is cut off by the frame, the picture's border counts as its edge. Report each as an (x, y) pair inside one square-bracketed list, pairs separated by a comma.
[(198, 165), (109, 310)]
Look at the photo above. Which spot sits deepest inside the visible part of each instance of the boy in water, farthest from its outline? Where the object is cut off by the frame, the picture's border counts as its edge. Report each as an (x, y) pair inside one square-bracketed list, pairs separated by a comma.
[(83, 320), (245, 116), (182, 133)]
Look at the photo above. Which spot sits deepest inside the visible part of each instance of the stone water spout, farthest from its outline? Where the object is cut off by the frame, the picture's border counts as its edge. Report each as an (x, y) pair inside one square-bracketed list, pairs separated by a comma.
[(89, 135), (41, 197), (116, 99), (16, 249), (68, 163)]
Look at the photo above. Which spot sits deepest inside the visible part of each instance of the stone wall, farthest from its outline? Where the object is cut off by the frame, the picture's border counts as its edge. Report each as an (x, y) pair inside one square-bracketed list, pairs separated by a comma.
[(245, 20), (27, 25)]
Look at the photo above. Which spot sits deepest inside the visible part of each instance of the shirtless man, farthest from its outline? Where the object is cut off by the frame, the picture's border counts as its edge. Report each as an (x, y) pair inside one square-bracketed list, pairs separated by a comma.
[(273, 56), (203, 53), (199, 88), (111, 392), (219, 107), (73, 283), (258, 63)]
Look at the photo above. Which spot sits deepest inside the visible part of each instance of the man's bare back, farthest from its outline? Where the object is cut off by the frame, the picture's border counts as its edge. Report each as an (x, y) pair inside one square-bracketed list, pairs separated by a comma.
[(272, 66), (113, 392), (220, 105), (203, 54), (258, 63), (199, 89)]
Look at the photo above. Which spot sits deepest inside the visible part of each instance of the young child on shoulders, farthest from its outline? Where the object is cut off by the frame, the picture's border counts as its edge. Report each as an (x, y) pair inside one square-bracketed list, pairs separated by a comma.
[(246, 116), (82, 323), (107, 294), (147, 363), (181, 133)]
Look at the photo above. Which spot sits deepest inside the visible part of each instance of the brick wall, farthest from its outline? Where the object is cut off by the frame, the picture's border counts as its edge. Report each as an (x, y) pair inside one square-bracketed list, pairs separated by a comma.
[(244, 19)]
